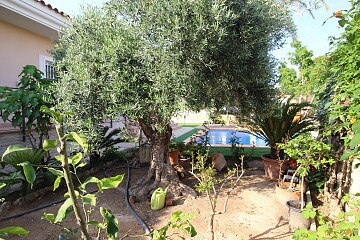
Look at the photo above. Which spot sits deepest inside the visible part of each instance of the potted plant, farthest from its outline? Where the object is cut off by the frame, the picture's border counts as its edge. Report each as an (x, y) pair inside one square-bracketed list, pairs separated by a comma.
[(289, 189), (281, 124), (186, 152), (309, 153), (173, 152)]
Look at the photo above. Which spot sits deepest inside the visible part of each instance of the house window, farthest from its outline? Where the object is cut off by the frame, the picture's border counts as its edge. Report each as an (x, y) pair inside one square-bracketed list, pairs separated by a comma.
[(47, 67), (49, 70)]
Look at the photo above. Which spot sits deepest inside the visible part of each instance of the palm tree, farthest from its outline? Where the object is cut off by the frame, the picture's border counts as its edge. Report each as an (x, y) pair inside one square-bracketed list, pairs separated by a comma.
[(283, 123)]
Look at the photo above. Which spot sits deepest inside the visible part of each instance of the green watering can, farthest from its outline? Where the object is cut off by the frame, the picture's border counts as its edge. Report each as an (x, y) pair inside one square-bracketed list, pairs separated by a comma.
[(158, 198)]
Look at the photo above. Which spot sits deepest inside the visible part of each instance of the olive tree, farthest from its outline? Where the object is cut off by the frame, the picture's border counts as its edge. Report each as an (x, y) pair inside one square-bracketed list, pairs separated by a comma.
[(144, 59)]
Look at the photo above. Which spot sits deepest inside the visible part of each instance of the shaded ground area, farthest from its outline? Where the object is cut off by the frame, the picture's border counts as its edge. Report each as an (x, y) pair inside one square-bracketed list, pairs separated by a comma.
[(253, 211)]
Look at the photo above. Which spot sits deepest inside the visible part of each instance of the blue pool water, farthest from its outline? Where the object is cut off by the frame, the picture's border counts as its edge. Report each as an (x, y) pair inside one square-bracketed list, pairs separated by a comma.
[(224, 136)]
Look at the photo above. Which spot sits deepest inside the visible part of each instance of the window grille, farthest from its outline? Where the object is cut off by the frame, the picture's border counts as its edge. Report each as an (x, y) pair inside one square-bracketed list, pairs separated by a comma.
[(49, 70), (46, 65)]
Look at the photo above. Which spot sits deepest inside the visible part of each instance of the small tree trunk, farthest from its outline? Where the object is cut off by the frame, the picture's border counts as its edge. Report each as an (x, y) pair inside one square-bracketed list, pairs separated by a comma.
[(335, 169), (347, 178), (211, 225), (70, 186), (338, 177), (161, 173)]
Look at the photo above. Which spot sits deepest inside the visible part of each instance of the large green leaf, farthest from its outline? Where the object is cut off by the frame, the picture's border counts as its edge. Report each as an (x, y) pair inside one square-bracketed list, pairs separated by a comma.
[(56, 172), (29, 172), (64, 211), (89, 199), (49, 216), (57, 182), (17, 154), (81, 140), (58, 158), (13, 230), (112, 229), (59, 174), (111, 182), (74, 160), (49, 144), (13, 149), (56, 115)]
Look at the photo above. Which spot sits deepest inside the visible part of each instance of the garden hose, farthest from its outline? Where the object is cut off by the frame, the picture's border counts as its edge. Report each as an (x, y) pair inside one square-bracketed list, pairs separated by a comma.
[(128, 205), (36, 209), (140, 221), (31, 210)]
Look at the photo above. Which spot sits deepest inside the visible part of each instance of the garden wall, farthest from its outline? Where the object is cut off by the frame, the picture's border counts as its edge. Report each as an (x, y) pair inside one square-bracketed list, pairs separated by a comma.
[(202, 116)]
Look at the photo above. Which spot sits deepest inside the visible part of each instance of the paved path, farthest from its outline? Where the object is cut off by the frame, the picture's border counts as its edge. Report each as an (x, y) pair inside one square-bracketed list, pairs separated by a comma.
[(181, 131)]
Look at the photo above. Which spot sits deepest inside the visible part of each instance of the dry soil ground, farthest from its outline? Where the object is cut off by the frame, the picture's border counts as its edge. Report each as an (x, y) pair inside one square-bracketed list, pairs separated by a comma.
[(253, 211)]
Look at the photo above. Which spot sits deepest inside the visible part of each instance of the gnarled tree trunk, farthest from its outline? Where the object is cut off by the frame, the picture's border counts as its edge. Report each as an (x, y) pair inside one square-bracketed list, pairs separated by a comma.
[(339, 177), (161, 173)]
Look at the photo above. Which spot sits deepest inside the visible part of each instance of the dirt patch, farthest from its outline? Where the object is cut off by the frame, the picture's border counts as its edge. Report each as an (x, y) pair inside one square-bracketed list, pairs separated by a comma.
[(253, 211)]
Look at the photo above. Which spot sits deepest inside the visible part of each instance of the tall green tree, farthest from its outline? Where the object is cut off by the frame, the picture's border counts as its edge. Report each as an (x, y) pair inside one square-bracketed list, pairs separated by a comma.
[(144, 59), (288, 79), (312, 75), (303, 59)]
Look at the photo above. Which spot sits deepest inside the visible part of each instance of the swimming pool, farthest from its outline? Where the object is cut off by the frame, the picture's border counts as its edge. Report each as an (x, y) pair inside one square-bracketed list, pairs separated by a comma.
[(224, 136)]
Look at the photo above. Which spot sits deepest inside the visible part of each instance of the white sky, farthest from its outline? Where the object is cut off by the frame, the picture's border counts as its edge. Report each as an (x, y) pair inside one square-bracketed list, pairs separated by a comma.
[(311, 32)]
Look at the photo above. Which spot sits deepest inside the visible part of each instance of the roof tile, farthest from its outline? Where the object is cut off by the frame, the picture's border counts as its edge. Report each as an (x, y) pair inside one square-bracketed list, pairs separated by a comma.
[(51, 7)]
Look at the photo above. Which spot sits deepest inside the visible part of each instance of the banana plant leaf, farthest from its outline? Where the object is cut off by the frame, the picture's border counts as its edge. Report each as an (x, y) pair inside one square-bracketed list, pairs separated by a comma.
[(17, 154)]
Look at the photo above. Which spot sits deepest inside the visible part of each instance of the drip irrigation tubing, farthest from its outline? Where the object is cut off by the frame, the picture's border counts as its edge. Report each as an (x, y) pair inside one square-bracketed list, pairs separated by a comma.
[(31, 210), (36, 209), (128, 205), (141, 222)]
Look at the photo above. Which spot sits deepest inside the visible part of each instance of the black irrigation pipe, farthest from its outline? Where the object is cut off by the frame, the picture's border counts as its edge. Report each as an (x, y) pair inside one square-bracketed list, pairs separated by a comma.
[(141, 222), (35, 209), (128, 205), (31, 210)]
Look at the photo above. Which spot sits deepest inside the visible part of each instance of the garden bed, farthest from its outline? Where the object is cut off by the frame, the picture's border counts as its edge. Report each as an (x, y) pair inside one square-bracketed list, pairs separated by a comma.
[(253, 211)]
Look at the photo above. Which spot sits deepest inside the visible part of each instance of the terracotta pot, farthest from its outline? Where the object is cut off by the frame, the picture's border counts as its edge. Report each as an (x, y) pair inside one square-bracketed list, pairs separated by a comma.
[(283, 193), (168, 202), (174, 157), (295, 185), (287, 184), (132, 199), (272, 166), (185, 163)]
